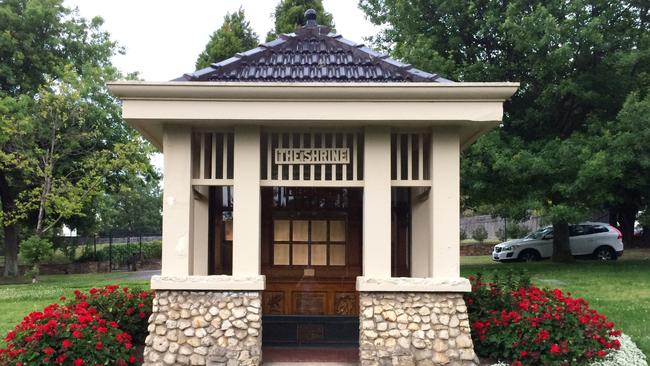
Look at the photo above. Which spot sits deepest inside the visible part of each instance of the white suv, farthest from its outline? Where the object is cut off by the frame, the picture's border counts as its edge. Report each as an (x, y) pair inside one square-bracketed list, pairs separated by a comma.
[(593, 239)]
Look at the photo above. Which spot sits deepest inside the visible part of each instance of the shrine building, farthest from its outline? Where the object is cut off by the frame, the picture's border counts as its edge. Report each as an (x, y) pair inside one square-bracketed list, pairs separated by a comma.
[(311, 199)]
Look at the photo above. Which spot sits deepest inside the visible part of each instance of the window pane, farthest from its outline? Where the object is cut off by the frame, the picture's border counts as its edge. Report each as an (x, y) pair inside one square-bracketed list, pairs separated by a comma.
[(300, 230), (319, 255), (319, 230), (281, 254), (281, 230), (337, 230), (300, 253), (228, 230), (337, 255)]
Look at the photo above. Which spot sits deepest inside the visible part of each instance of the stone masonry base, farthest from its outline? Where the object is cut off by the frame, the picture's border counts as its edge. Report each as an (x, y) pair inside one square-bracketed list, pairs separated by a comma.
[(210, 328), (413, 328)]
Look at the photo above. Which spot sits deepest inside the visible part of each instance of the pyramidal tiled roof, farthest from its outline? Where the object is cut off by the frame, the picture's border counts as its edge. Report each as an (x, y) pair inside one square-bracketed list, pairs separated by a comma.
[(312, 53)]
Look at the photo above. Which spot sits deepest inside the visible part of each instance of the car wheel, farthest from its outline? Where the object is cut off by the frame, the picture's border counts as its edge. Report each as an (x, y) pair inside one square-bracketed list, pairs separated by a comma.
[(529, 255), (605, 254)]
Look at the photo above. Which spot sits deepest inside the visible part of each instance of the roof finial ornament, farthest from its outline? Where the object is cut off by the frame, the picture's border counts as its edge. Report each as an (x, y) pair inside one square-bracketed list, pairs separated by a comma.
[(310, 17)]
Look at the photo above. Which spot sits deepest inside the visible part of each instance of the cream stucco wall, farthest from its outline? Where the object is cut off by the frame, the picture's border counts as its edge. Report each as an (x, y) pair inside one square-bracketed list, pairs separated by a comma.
[(178, 201), (456, 114), (376, 203)]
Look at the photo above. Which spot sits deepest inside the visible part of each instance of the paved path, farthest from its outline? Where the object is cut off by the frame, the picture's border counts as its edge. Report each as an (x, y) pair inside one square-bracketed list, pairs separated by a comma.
[(142, 275)]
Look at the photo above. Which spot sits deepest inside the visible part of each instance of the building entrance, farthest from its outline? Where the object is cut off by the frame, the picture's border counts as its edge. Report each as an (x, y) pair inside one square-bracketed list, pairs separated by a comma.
[(311, 256)]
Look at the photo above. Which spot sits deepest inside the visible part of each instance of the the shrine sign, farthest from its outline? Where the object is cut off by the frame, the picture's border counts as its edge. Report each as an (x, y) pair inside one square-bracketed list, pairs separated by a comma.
[(312, 155)]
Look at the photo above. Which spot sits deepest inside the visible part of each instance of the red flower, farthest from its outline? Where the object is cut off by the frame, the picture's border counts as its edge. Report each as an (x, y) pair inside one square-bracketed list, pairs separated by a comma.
[(601, 353), (66, 343), (77, 334), (131, 359), (99, 346), (517, 363), (102, 330), (555, 348), (48, 351), (78, 362)]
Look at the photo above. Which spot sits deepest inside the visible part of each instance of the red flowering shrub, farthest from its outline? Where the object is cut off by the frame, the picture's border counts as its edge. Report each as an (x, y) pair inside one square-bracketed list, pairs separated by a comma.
[(129, 308), (531, 326), (67, 335)]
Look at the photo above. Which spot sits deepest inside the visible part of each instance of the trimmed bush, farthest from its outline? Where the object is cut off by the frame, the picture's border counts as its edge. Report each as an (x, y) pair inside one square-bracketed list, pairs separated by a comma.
[(129, 308), (479, 234), (73, 334), (513, 320)]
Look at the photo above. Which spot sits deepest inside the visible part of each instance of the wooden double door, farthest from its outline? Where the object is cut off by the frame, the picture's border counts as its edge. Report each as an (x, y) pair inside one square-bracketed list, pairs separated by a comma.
[(311, 251)]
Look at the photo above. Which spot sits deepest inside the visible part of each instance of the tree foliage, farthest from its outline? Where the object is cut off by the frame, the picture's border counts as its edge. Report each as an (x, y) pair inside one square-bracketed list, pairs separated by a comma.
[(576, 61), (62, 139), (234, 35), (290, 14)]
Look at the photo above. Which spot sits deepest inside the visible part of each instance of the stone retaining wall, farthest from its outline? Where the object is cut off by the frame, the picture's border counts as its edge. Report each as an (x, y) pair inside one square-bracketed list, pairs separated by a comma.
[(205, 328), (414, 328)]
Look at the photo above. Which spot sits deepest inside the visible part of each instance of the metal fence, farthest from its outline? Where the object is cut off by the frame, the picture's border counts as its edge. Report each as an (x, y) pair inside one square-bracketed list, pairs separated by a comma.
[(496, 226), (118, 250)]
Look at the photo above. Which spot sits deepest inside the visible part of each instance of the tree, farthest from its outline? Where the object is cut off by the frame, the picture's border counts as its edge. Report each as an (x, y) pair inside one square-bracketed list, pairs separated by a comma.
[(629, 153), (134, 208), (577, 61), (62, 140), (234, 35), (290, 14)]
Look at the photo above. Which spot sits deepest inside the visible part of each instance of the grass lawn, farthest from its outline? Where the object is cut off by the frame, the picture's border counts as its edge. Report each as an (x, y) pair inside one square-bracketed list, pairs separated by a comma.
[(16, 301), (619, 290)]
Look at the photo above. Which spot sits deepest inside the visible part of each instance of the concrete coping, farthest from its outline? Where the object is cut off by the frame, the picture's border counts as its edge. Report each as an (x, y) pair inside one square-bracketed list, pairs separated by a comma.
[(411, 284), (208, 283)]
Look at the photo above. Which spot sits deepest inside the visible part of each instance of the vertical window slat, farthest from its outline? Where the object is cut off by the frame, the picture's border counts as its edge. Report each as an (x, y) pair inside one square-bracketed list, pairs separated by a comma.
[(420, 157), (409, 156), (202, 156)]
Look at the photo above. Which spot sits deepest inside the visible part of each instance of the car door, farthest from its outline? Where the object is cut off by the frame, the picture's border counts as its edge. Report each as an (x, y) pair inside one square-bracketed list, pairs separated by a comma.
[(598, 235), (545, 244), (580, 239)]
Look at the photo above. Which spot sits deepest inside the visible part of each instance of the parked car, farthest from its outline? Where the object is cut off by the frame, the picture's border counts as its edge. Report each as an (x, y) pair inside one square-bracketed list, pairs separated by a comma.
[(588, 239)]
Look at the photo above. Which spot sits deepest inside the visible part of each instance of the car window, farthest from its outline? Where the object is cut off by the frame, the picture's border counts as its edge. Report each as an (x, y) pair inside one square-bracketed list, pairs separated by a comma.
[(541, 233), (598, 229), (575, 230)]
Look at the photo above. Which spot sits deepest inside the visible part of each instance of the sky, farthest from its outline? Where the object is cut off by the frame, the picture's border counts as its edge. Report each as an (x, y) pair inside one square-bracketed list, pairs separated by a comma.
[(163, 38)]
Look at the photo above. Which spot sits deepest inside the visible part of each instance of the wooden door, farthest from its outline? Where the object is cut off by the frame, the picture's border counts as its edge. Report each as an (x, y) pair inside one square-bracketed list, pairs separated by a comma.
[(311, 252)]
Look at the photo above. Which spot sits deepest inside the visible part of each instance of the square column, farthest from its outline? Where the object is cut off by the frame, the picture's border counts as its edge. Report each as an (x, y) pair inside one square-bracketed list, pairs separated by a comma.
[(200, 240), (178, 202), (376, 203), (246, 202), (444, 203)]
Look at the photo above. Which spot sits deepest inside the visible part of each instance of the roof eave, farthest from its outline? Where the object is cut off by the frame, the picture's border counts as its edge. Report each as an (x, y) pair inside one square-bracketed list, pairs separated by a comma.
[(497, 91)]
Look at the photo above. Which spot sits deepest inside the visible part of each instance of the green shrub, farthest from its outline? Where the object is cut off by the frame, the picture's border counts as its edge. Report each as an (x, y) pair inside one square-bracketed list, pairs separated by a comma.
[(479, 234), (34, 251)]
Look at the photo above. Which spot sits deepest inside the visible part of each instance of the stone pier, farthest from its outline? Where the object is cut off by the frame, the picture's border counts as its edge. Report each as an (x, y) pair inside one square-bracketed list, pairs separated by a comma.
[(211, 328), (415, 329)]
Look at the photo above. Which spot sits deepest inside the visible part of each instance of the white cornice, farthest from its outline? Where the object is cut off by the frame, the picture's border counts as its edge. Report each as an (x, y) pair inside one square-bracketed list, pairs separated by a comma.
[(259, 91)]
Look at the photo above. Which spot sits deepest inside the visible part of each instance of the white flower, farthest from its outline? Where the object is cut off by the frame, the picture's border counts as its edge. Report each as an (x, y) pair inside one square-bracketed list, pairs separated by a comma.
[(628, 355)]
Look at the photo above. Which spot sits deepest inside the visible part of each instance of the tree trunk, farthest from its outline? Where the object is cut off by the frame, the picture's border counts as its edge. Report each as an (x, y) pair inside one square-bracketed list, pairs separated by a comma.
[(627, 217), (561, 246), (9, 229)]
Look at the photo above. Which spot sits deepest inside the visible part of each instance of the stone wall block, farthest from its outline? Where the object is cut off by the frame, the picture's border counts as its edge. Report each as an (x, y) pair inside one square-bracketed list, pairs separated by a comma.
[(415, 329), (212, 328)]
